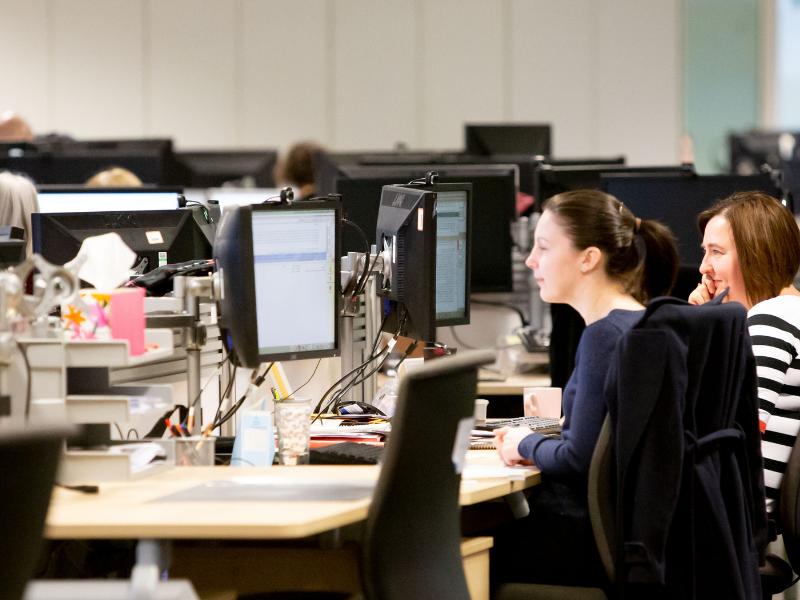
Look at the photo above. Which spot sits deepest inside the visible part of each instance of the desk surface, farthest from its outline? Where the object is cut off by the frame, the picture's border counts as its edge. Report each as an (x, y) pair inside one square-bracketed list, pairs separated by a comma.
[(132, 510), (513, 385)]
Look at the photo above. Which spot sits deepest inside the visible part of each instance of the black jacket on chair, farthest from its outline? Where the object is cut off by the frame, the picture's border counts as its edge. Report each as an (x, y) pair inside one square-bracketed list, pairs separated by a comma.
[(682, 400)]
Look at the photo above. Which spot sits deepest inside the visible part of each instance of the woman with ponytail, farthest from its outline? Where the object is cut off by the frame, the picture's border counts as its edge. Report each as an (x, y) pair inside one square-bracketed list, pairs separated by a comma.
[(592, 253)]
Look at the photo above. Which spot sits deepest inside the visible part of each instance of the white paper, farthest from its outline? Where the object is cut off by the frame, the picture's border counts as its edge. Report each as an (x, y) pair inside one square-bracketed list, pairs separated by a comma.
[(107, 261)]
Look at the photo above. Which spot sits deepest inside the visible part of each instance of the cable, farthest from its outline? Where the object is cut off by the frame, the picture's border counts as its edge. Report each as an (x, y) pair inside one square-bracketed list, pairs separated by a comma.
[(318, 407), (24, 353), (255, 383), (210, 378), (504, 305), (363, 235), (119, 431), (226, 392), (309, 379)]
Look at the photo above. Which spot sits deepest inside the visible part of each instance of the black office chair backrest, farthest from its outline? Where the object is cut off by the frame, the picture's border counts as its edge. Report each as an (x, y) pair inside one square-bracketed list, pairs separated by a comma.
[(28, 463), (412, 540), (602, 499), (789, 509)]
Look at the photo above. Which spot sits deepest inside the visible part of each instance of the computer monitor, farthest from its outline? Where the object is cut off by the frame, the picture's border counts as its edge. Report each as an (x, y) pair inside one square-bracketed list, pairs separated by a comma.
[(507, 138), (279, 267), (676, 201), (552, 179), (751, 150), (74, 162), (73, 199), (406, 233), (213, 168), (12, 246), (160, 236), (493, 204)]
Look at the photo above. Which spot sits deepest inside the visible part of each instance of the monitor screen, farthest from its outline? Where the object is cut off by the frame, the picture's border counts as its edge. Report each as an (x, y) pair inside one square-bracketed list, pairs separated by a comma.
[(676, 201), (552, 179), (294, 262), (507, 138), (493, 202), (83, 199), (279, 268), (452, 229), (74, 162), (159, 236), (213, 168)]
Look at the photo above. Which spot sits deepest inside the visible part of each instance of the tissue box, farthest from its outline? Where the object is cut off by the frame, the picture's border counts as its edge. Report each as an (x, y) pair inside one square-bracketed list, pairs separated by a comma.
[(115, 315)]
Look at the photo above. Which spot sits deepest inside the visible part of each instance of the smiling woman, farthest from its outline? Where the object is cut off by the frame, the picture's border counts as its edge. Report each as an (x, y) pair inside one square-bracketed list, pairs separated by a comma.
[(751, 249)]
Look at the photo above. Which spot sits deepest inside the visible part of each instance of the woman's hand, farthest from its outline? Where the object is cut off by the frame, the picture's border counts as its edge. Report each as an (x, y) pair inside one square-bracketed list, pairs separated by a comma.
[(506, 440), (705, 291)]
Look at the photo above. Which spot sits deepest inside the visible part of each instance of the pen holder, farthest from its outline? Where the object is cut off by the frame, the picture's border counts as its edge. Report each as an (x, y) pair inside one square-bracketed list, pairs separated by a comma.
[(194, 451), (293, 421)]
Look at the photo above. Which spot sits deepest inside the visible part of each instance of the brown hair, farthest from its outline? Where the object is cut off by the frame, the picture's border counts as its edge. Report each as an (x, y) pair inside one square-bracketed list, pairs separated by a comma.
[(641, 254), (298, 166), (767, 241)]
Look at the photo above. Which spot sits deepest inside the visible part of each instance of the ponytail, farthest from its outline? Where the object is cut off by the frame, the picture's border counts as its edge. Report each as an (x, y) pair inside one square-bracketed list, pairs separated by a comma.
[(659, 269)]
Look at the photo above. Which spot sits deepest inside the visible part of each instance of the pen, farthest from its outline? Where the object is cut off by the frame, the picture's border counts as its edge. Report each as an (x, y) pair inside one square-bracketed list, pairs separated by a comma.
[(190, 420), (275, 394)]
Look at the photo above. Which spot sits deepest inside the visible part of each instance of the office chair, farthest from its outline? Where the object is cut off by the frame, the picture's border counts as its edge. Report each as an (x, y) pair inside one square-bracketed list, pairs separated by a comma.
[(412, 540), (411, 546), (675, 486), (28, 463), (777, 575)]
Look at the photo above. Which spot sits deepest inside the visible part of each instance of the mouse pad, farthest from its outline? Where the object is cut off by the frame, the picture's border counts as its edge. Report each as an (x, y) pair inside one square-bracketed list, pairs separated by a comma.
[(261, 490)]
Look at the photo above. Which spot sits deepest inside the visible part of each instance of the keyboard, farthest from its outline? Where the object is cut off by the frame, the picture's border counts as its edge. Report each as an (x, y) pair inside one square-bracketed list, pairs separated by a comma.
[(346, 453), (538, 424)]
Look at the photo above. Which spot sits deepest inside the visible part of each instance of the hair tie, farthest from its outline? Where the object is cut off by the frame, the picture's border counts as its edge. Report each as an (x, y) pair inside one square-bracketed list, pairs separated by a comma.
[(638, 225)]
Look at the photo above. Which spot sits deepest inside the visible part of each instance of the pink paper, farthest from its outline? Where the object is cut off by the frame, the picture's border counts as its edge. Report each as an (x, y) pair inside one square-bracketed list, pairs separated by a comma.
[(127, 318)]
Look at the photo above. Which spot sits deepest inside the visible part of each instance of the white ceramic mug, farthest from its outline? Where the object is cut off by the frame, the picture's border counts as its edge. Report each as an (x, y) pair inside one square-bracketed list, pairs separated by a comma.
[(542, 402)]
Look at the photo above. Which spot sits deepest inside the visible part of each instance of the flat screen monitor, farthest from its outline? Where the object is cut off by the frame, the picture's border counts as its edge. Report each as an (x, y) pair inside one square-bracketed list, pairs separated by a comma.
[(12, 246), (65, 199), (213, 168), (507, 138), (493, 205), (279, 266), (159, 236), (750, 151), (552, 179), (676, 201), (74, 162)]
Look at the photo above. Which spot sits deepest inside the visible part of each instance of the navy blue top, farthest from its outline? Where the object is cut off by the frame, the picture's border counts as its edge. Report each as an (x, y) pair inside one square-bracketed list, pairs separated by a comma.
[(583, 401)]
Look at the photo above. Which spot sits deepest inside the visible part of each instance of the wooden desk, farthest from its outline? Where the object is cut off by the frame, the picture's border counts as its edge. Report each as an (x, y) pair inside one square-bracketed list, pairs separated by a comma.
[(132, 510), (512, 386), (214, 540)]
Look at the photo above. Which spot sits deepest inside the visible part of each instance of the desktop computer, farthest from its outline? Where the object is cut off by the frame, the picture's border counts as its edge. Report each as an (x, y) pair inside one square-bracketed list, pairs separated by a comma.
[(507, 138), (157, 236), (424, 235), (279, 271)]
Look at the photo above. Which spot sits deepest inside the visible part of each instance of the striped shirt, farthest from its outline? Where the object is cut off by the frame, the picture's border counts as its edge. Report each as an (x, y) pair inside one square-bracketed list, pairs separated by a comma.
[(775, 331)]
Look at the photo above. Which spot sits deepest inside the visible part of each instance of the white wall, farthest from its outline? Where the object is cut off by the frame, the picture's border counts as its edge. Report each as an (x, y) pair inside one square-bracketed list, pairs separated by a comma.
[(354, 74)]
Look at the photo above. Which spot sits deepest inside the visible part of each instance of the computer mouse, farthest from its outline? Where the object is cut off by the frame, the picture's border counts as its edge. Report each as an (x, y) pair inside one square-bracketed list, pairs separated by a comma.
[(359, 408)]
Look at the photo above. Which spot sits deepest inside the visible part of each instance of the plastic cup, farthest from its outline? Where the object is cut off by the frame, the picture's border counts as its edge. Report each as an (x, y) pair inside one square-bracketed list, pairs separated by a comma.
[(293, 421)]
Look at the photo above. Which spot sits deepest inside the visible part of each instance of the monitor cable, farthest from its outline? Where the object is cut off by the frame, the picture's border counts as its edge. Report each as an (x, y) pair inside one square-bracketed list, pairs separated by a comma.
[(362, 281)]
